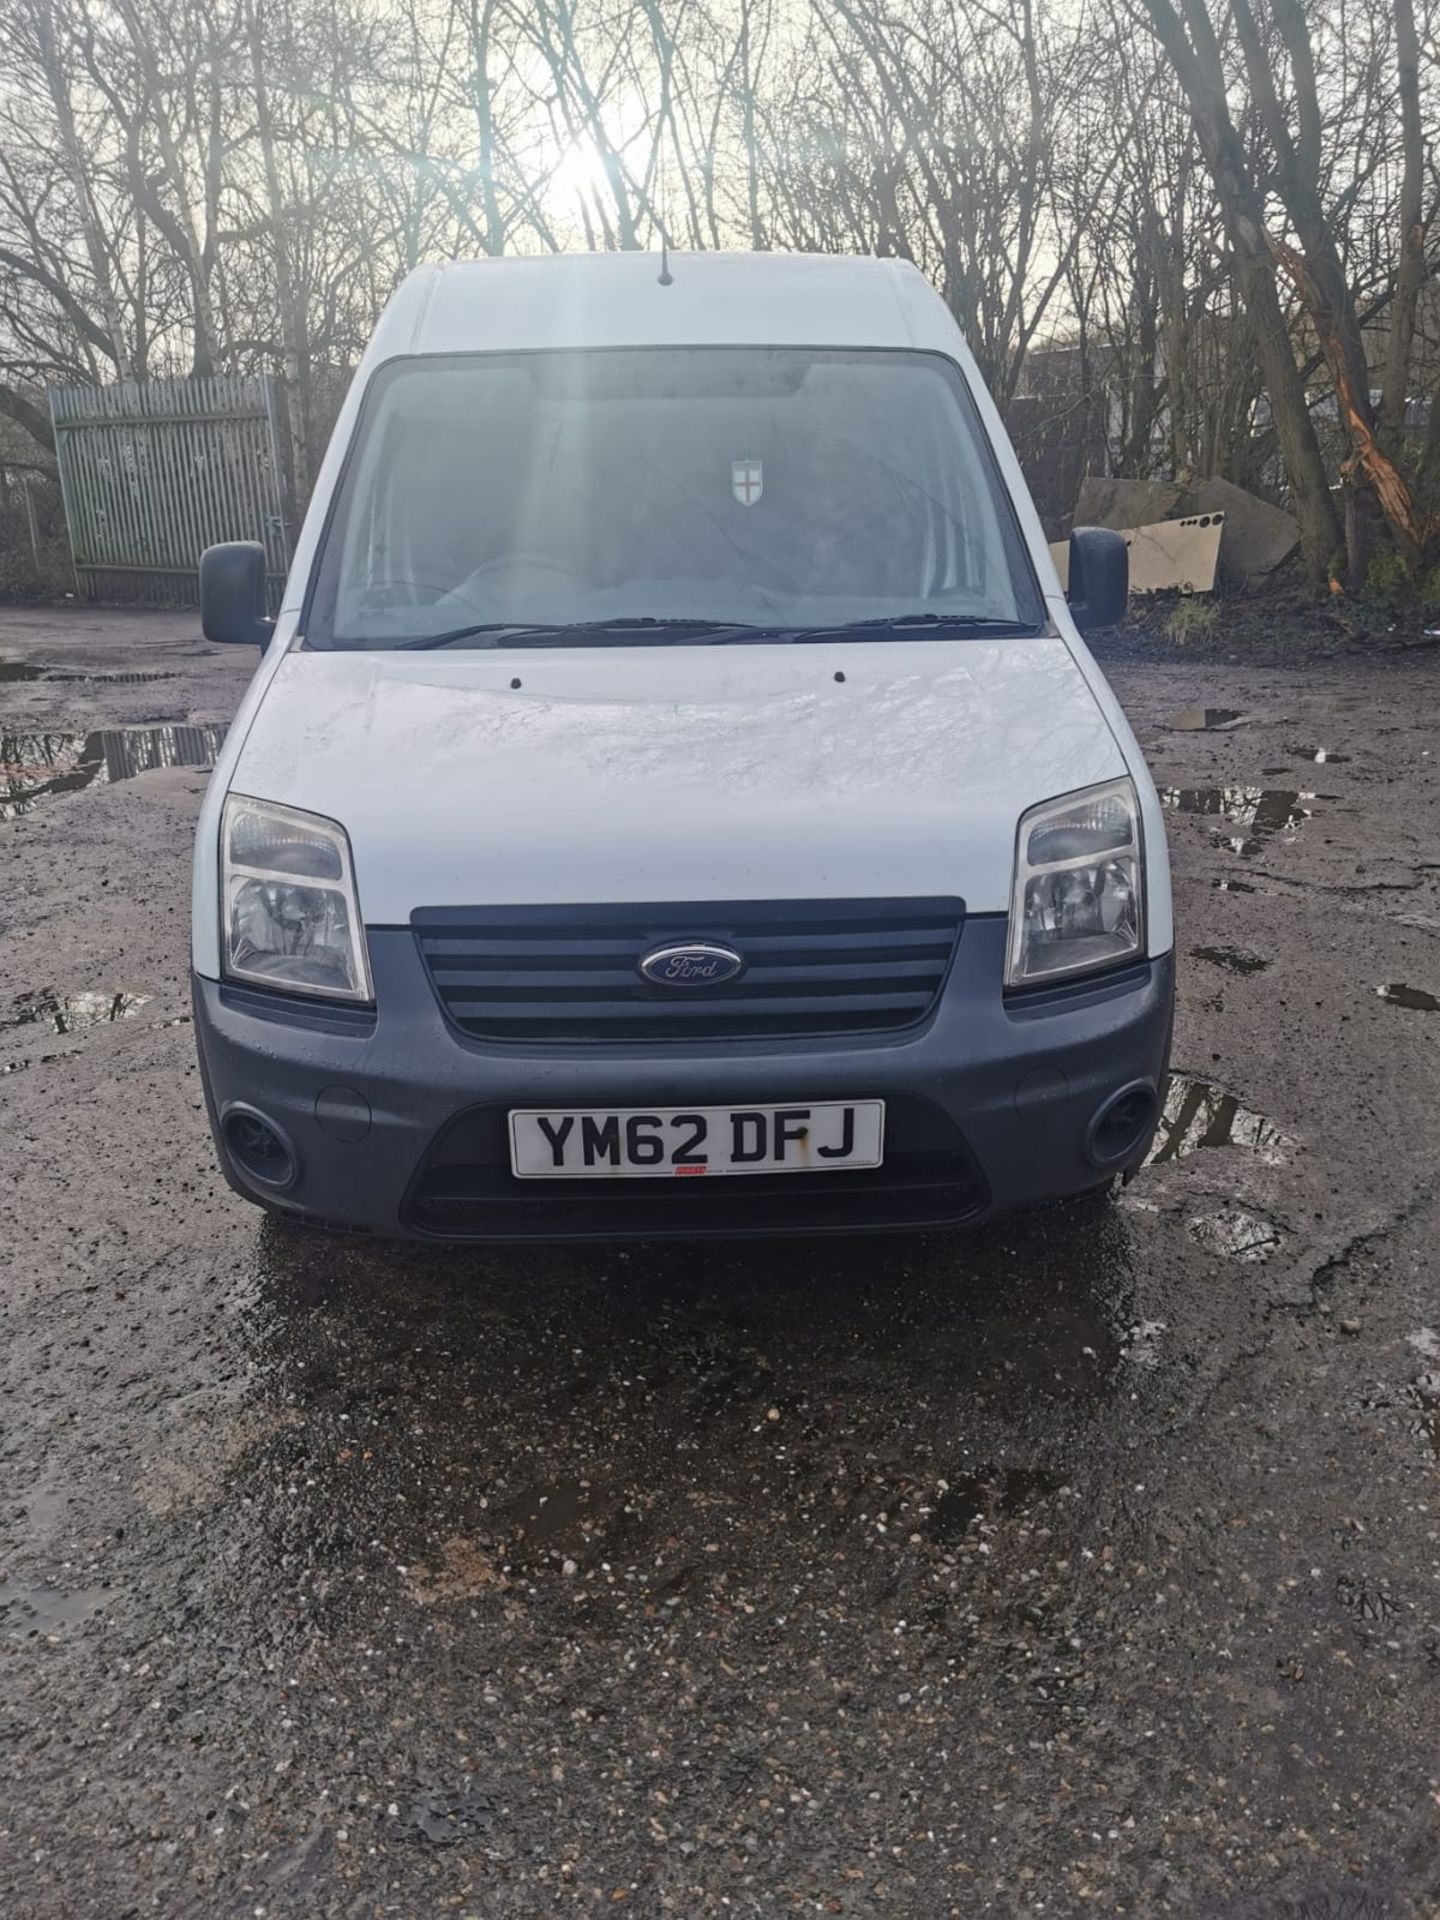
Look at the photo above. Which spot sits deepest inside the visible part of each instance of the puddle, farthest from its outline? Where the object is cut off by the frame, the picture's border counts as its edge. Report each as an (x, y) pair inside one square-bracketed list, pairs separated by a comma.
[(544, 1513), (1415, 998), (108, 679), (31, 1608), (1232, 959), (1202, 719), (1259, 813), (1199, 1114), (16, 672), (1426, 1425), (992, 1491), (550, 1521), (447, 1814), (33, 765), (1372, 1603), (72, 1012), (1235, 1232), (1322, 756), (1234, 886)]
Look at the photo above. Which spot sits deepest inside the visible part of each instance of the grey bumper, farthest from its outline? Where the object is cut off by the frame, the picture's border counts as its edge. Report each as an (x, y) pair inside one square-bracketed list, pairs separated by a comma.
[(397, 1122)]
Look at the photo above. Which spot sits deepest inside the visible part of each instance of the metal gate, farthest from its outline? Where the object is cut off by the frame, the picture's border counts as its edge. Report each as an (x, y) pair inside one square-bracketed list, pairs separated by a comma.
[(154, 473)]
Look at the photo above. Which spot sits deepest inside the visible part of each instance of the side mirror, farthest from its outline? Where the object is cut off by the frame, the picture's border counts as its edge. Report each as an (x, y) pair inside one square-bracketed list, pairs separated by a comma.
[(1099, 578), (232, 594)]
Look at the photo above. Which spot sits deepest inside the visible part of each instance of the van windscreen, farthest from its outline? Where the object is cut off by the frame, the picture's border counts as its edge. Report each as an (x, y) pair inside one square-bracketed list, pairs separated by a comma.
[(781, 489)]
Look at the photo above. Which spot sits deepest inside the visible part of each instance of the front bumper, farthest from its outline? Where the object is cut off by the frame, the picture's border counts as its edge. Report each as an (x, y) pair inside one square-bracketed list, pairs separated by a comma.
[(397, 1122)]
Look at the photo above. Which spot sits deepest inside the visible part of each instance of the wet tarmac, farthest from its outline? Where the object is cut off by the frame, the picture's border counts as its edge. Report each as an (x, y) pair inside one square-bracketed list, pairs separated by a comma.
[(1083, 1564)]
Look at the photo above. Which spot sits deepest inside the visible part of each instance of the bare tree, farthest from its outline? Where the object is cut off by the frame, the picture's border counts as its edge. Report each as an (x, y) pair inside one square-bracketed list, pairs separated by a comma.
[(1220, 229)]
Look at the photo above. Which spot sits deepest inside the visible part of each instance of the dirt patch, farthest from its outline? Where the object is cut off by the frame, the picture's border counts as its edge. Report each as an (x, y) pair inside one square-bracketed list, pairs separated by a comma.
[(465, 1570)]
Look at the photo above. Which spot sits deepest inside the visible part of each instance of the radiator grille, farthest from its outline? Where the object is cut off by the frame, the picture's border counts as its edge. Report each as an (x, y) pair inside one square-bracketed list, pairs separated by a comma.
[(812, 967)]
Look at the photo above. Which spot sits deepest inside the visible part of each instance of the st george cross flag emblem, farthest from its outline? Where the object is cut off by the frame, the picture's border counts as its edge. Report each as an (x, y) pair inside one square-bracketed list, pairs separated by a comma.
[(747, 481)]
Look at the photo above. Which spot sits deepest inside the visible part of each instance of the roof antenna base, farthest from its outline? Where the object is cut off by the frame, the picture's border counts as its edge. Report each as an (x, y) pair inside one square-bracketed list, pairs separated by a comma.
[(667, 279)]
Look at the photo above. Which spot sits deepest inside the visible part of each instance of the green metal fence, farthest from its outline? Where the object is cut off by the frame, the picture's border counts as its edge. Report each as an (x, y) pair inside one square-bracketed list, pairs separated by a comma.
[(153, 473)]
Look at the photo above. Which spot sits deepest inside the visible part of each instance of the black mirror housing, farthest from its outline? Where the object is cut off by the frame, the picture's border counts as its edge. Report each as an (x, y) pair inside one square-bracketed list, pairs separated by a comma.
[(1099, 589), (232, 594)]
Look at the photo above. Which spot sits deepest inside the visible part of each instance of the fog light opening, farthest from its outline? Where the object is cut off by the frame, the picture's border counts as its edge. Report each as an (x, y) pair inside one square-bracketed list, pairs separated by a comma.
[(258, 1150), (1123, 1125)]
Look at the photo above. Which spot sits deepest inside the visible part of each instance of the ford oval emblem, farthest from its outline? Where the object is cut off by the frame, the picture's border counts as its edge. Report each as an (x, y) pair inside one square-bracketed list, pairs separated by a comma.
[(694, 966)]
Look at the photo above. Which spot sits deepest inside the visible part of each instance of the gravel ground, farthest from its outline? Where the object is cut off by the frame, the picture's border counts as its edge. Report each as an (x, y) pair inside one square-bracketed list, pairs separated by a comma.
[(1084, 1564)]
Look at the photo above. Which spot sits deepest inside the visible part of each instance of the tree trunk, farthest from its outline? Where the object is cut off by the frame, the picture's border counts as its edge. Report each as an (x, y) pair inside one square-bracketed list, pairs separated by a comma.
[(1201, 75), (1411, 273)]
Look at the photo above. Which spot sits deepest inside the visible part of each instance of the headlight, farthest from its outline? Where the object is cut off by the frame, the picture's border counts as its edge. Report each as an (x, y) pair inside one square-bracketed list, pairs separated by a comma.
[(1078, 900), (288, 913)]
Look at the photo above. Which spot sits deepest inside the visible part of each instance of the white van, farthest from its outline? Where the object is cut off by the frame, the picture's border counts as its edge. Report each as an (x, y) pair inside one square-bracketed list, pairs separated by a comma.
[(674, 797)]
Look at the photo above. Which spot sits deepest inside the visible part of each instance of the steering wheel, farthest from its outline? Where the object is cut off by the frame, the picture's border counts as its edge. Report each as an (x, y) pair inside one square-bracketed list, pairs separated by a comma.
[(388, 582), (525, 557)]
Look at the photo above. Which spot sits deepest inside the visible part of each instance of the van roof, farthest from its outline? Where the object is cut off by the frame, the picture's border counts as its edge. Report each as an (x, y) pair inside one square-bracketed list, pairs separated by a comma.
[(616, 299)]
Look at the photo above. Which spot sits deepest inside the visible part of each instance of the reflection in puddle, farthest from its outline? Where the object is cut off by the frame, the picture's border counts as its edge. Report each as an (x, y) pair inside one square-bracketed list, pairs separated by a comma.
[(1202, 719), (35, 764), (1415, 998), (1236, 1232), (108, 679), (1232, 959), (1424, 1395), (30, 1608), (992, 1490), (1321, 755), (1258, 812), (1200, 1114), (72, 1012)]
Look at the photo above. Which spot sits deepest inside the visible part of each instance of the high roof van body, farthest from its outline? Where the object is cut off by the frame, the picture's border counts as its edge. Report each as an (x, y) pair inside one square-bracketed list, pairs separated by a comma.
[(675, 796)]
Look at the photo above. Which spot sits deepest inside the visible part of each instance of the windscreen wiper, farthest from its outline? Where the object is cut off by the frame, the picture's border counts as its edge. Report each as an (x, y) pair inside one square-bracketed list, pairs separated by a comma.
[(900, 623), (504, 633), (910, 622), (645, 629)]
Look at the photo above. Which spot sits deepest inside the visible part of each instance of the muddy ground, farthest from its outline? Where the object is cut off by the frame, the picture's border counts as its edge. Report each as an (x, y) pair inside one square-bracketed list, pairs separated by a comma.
[(1085, 1564)]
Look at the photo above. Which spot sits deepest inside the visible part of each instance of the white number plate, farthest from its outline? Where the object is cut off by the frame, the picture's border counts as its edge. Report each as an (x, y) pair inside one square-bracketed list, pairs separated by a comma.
[(611, 1143)]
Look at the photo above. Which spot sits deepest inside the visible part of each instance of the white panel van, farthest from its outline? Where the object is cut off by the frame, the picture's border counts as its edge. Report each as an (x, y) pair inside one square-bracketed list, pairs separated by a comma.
[(675, 796)]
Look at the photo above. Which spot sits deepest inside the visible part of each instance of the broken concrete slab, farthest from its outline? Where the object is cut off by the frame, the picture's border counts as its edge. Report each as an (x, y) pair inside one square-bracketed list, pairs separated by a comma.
[(1258, 537), (1122, 504), (1174, 555)]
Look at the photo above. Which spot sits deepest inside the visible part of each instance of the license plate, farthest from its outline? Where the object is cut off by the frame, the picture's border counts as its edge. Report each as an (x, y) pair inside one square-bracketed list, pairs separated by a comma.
[(645, 1143)]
